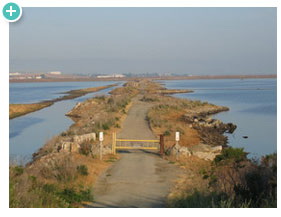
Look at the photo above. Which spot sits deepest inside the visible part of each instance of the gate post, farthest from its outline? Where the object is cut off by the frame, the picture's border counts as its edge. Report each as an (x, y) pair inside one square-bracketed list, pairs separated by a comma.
[(162, 145), (113, 143)]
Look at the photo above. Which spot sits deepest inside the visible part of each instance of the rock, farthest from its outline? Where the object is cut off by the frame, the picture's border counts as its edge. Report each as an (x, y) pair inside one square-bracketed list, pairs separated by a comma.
[(205, 155), (206, 152), (66, 146), (216, 149), (202, 151), (178, 150), (96, 150), (231, 128), (75, 147), (86, 137)]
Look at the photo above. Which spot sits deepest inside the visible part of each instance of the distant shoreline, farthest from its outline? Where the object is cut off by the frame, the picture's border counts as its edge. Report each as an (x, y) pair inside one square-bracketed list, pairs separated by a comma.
[(201, 77)]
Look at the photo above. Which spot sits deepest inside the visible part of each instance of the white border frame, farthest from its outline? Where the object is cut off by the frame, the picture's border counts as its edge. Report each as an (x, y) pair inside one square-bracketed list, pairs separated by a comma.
[(4, 107)]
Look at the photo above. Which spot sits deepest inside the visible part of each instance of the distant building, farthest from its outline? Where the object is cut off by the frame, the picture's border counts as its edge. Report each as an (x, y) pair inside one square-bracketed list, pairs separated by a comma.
[(119, 76), (55, 73), (14, 73), (111, 76)]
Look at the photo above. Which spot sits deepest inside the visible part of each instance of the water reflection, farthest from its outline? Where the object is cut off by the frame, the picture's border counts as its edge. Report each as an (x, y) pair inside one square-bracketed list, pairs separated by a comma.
[(21, 124)]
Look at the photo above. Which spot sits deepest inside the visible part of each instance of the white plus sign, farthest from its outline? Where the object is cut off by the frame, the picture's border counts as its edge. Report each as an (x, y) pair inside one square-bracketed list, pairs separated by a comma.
[(11, 11)]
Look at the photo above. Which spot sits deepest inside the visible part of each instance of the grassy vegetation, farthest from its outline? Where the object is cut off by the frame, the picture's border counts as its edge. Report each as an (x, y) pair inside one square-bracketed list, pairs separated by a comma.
[(234, 181), (53, 186), (61, 180)]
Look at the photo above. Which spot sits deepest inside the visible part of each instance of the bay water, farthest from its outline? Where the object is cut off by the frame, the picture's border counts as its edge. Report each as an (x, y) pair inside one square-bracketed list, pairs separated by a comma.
[(252, 104)]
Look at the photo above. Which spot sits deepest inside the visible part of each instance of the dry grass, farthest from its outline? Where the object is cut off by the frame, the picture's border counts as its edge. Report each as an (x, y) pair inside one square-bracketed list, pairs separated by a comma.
[(16, 110), (191, 179), (61, 167)]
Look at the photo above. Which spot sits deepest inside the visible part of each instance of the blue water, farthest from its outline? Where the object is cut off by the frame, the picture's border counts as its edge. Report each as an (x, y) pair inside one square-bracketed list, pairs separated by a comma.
[(253, 108), (39, 91), (30, 132)]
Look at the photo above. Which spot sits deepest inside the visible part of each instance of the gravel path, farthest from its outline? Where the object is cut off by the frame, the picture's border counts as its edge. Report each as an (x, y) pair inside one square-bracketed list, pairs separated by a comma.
[(135, 125), (140, 178)]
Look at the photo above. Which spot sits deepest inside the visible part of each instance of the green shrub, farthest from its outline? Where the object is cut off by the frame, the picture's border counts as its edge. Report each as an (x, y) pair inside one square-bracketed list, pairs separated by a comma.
[(148, 99), (105, 126), (18, 170), (85, 148), (49, 188), (199, 200), (72, 197), (232, 154), (167, 133)]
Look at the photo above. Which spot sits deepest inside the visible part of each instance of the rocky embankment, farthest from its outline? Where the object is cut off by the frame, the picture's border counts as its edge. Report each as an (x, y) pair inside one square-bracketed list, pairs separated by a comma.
[(211, 133), (200, 134)]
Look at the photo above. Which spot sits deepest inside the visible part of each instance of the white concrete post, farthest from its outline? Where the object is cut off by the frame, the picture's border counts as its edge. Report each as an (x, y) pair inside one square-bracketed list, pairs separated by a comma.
[(177, 137), (101, 146), (177, 143)]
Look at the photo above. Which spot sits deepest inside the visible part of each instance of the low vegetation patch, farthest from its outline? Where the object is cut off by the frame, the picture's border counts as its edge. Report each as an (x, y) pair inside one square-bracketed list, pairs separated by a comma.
[(230, 181), (65, 181)]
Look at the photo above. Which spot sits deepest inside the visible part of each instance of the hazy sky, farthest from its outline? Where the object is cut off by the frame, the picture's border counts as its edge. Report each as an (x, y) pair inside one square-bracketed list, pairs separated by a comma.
[(197, 41)]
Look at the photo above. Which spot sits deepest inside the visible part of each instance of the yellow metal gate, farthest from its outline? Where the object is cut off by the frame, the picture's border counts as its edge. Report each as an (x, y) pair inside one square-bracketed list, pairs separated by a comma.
[(122, 144)]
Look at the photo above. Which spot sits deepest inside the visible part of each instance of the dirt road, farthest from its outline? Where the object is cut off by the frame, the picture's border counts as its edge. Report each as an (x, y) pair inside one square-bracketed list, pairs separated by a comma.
[(135, 125), (139, 178)]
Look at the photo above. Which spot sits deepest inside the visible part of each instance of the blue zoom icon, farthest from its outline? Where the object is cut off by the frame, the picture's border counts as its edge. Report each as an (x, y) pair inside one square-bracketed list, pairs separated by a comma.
[(12, 12)]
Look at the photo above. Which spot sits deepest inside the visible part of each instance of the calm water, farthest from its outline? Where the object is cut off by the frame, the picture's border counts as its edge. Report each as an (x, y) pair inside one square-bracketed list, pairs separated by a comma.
[(30, 132), (253, 108), (36, 92)]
